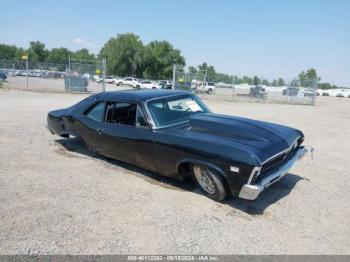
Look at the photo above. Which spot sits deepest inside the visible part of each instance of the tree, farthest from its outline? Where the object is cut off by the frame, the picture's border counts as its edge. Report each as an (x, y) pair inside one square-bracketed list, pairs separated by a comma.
[(306, 78), (159, 58), (8, 52), (192, 70), (265, 82), (210, 70), (83, 54), (37, 52), (19, 53), (281, 82), (326, 86), (203, 66), (256, 81), (274, 83), (211, 74), (124, 55), (59, 58), (219, 77), (247, 80), (236, 80)]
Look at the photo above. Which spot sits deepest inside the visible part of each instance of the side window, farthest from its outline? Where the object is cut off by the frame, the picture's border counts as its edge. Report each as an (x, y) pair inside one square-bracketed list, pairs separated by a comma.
[(96, 112), (121, 113)]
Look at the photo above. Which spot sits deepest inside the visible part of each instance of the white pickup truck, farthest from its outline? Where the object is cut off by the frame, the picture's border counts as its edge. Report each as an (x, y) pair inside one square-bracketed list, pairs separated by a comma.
[(198, 87)]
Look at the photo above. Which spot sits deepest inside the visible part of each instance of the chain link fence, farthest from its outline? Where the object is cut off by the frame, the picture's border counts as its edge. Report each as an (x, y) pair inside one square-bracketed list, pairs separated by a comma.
[(296, 91), (90, 76), (85, 75), (73, 76)]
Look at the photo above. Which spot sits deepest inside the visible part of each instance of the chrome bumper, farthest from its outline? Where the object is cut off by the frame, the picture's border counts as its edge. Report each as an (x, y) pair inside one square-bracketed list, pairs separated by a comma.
[(251, 192)]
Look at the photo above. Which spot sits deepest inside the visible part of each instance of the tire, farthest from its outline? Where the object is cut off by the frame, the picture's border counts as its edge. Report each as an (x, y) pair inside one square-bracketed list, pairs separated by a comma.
[(209, 182), (137, 86), (210, 91)]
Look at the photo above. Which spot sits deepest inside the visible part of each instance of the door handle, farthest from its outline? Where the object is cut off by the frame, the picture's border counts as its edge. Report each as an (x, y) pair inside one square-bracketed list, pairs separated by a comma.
[(100, 130)]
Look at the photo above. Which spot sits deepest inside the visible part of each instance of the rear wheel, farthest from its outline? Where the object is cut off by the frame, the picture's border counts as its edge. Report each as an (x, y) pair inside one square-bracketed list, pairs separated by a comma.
[(210, 182)]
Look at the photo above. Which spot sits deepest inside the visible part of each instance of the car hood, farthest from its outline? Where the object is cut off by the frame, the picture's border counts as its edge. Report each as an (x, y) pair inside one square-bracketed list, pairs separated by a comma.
[(261, 139)]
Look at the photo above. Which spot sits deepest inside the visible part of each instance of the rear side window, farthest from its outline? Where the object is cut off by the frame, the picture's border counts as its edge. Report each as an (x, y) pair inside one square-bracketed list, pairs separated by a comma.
[(97, 112), (123, 113)]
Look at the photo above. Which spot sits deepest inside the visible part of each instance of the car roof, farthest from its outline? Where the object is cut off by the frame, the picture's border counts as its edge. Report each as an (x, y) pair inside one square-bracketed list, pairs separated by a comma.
[(139, 95)]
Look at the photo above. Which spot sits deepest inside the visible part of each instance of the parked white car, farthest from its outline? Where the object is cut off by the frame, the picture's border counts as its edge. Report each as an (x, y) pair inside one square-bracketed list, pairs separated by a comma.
[(165, 84), (129, 81), (97, 78), (117, 79), (147, 84), (109, 79)]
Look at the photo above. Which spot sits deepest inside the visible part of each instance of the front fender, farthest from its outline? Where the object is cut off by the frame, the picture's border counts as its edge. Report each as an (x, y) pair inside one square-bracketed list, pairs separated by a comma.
[(203, 163), (233, 181)]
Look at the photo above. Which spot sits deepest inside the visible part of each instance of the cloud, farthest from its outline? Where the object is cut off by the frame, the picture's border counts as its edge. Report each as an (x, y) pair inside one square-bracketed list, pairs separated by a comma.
[(83, 42)]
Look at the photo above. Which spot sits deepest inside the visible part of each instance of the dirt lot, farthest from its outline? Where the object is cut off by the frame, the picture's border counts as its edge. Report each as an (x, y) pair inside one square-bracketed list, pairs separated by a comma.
[(57, 198)]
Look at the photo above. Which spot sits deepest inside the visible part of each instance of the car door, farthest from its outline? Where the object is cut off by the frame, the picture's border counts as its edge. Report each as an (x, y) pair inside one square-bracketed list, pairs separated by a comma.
[(126, 136), (90, 123)]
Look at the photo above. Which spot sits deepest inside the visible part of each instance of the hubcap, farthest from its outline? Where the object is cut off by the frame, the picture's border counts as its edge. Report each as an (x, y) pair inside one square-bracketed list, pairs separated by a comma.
[(203, 178)]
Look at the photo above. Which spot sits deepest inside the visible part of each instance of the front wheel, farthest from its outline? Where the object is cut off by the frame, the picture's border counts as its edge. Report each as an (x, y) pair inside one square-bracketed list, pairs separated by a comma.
[(210, 182)]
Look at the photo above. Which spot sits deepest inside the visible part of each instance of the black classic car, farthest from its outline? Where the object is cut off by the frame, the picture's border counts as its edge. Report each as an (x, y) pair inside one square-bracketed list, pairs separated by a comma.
[(173, 133)]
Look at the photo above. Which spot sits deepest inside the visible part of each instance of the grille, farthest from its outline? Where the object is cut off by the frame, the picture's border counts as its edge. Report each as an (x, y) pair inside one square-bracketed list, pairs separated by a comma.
[(273, 164)]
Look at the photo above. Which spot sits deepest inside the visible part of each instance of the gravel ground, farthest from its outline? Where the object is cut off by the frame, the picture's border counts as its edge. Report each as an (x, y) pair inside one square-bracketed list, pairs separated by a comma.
[(57, 198)]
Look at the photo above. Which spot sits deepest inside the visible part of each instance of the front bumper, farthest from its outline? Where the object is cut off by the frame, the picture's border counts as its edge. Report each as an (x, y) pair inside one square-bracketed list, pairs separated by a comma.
[(251, 192)]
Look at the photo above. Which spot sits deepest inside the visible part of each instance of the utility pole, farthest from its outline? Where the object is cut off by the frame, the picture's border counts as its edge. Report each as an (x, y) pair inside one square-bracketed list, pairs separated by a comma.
[(233, 87), (104, 75), (174, 75), (314, 87), (205, 79), (27, 70), (27, 66), (69, 73)]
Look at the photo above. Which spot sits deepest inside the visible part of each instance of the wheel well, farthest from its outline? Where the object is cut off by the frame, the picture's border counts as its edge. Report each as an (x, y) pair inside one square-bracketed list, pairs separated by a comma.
[(184, 169)]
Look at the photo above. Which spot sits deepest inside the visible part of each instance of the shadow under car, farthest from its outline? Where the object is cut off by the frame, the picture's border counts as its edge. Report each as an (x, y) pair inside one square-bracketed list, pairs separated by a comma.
[(268, 197)]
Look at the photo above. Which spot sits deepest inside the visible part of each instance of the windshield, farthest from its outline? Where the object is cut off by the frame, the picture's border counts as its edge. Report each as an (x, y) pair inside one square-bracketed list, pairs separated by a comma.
[(172, 110)]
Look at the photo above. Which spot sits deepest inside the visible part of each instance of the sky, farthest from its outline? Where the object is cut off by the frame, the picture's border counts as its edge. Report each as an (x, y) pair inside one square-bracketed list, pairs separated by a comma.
[(267, 38)]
